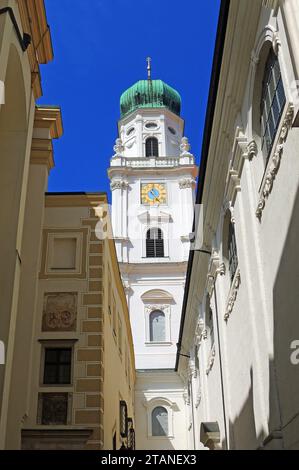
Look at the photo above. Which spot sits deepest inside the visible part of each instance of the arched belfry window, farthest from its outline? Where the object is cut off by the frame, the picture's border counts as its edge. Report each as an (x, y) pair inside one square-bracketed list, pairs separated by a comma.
[(151, 147), (272, 102), (154, 243), (159, 421), (157, 326)]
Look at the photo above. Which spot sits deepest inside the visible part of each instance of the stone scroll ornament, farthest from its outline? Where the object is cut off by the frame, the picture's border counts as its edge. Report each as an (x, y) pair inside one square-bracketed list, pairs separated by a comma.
[(274, 163), (60, 312)]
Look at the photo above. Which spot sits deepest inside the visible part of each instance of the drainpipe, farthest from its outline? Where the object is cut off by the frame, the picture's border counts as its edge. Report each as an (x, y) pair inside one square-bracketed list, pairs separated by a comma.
[(221, 368), (24, 40)]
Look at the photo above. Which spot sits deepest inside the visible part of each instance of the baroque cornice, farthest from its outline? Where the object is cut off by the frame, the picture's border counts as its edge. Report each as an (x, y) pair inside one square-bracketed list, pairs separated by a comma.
[(232, 295), (274, 161)]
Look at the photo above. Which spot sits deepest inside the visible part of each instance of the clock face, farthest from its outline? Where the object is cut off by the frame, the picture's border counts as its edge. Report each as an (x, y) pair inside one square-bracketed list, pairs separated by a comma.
[(153, 193)]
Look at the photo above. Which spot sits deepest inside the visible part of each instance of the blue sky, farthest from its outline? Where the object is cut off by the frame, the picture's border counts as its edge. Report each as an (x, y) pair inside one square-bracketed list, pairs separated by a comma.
[(100, 49)]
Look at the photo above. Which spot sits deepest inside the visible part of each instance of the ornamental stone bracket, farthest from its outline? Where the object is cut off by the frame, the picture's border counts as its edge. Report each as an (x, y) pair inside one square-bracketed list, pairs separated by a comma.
[(185, 183), (232, 295), (242, 150), (119, 184), (274, 162), (211, 360), (215, 268)]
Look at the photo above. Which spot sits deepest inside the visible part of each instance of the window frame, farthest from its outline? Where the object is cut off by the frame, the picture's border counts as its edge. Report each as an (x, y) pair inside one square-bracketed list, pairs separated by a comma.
[(159, 237), (56, 344), (57, 364), (276, 95), (160, 407), (151, 335), (154, 142)]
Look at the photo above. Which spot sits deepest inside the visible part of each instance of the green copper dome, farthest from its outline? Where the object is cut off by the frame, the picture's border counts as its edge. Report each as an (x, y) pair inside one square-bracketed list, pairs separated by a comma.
[(150, 94)]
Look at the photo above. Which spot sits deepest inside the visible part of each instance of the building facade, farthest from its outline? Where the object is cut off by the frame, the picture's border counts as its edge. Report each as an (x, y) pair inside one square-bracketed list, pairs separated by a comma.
[(152, 176), (242, 286), (25, 147), (67, 376), (82, 360)]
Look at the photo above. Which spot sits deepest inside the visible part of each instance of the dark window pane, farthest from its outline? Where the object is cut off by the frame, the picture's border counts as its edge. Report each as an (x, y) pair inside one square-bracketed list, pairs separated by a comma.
[(272, 102), (50, 374), (57, 368), (154, 243), (152, 147), (159, 421)]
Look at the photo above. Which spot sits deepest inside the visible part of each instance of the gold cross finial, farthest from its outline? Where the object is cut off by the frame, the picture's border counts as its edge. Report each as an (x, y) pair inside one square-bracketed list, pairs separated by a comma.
[(149, 68)]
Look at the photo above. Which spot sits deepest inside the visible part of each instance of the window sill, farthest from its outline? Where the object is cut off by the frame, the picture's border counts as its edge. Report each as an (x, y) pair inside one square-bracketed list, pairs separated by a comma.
[(158, 343)]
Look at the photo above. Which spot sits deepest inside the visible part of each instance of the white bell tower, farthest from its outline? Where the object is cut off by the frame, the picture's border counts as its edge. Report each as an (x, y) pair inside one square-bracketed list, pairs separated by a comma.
[(152, 176)]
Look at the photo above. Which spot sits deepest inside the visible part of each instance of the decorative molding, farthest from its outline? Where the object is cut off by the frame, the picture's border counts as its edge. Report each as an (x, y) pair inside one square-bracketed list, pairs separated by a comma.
[(276, 42), (215, 268), (232, 295), (211, 359), (274, 161), (119, 184), (204, 334), (60, 312), (239, 153), (185, 183), (152, 308), (252, 150)]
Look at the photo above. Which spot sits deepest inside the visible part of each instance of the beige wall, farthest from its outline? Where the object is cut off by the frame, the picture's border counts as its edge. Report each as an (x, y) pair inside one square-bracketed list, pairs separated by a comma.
[(100, 377), (119, 376), (16, 127)]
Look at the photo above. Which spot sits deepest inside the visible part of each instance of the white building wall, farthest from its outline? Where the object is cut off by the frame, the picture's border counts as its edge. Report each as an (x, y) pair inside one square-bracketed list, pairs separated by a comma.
[(259, 382)]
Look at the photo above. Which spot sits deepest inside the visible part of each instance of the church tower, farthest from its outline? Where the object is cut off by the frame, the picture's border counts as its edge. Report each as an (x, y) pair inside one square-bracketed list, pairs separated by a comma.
[(152, 176)]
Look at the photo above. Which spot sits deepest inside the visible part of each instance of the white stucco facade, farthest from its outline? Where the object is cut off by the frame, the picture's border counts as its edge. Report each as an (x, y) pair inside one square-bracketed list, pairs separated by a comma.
[(240, 374), (154, 283)]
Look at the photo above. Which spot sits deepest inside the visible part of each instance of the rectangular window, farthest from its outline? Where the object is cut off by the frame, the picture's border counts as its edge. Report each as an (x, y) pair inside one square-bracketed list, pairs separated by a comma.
[(109, 293), (120, 335), (57, 366), (114, 320)]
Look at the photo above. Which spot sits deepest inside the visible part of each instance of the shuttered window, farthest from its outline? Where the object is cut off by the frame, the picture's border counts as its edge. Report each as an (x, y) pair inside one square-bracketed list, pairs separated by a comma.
[(154, 243), (151, 147), (157, 326), (159, 421)]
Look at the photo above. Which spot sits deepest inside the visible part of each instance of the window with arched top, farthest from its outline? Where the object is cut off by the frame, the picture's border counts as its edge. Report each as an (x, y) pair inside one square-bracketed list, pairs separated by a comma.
[(157, 326), (154, 243), (272, 102), (151, 147), (159, 421)]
